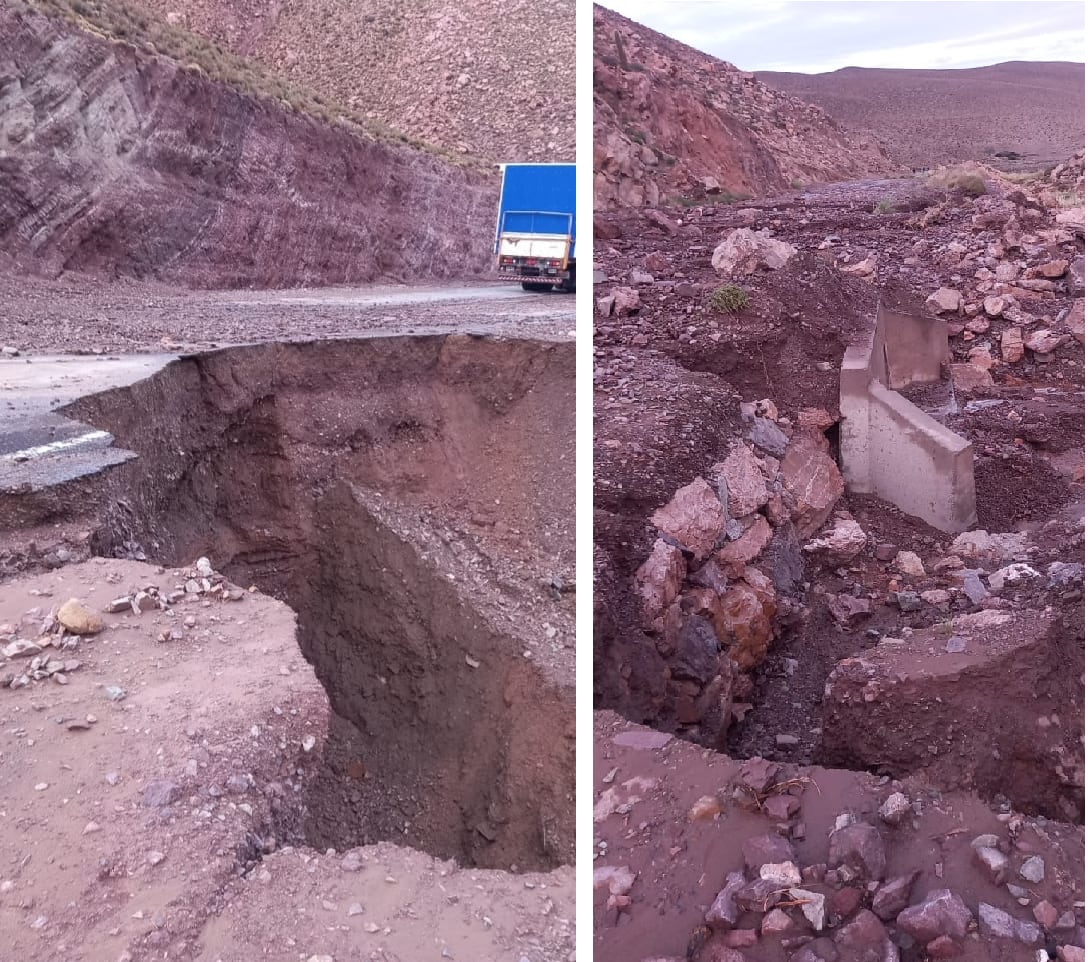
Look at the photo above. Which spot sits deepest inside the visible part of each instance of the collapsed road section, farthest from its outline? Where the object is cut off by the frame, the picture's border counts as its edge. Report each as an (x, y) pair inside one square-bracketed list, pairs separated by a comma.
[(412, 500)]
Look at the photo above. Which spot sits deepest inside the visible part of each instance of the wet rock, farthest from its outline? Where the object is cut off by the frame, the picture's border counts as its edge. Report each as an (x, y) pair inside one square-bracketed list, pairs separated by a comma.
[(840, 543), (813, 907), (758, 775), (945, 300), (740, 481), (993, 923), (761, 850), (78, 618), (723, 913), (693, 518), (939, 913), (745, 251), (893, 896), (811, 476), (866, 939), (860, 848), (895, 808), (696, 655), (659, 578), (759, 895)]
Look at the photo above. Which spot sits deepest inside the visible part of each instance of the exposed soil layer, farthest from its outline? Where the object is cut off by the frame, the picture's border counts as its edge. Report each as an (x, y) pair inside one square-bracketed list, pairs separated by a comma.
[(412, 500)]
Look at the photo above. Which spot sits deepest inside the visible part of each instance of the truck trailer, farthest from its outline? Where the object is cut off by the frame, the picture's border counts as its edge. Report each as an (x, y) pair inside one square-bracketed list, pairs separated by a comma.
[(535, 234)]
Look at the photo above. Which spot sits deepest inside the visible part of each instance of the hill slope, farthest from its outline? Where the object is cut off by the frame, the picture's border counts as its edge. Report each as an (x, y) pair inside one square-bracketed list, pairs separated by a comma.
[(487, 78), (928, 117), (666, 117)]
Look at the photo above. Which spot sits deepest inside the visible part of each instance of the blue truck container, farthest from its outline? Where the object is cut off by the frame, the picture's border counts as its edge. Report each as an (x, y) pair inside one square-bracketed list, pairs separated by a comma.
[(535, 234)]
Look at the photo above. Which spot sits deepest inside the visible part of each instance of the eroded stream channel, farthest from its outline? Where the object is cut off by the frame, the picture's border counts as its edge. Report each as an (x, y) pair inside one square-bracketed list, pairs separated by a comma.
[(412, 499)]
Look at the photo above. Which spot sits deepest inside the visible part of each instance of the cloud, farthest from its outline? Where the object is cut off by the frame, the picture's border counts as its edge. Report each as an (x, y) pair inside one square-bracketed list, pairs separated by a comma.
[(814, 36)]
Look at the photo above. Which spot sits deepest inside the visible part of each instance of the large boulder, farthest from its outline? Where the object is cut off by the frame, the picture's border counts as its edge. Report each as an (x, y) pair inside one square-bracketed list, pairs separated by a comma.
[(812, 478), (693, 518), (659, 578), (745, 251)]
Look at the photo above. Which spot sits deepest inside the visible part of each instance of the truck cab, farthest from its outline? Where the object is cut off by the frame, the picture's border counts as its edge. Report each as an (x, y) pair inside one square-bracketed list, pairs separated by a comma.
[(536, 232)]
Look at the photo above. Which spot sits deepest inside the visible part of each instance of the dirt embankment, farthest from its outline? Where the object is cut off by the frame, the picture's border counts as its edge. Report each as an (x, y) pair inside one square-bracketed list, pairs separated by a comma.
[(670, 121), (1032, 111), (118, 163)]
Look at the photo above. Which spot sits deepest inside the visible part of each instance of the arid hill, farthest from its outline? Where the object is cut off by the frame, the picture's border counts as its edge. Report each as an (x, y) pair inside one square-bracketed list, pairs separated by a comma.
[(669, 121), (480, 77), (1034, 111)]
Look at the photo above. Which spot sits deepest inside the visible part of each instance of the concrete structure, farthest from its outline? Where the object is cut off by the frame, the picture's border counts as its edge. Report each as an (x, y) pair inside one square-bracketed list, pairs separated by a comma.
[(890, 448)]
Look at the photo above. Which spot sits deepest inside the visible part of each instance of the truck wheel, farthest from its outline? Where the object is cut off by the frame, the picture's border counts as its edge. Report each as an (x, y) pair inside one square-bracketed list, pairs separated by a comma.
[(567, 287), (535, 288)]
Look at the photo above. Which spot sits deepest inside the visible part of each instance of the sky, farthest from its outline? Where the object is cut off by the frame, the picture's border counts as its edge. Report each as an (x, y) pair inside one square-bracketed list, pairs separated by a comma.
[(815, 36)]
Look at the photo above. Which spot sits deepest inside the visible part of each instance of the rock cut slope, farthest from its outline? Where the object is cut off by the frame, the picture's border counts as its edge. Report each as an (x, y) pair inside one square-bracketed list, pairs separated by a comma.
[(669, 120), (120, 163)]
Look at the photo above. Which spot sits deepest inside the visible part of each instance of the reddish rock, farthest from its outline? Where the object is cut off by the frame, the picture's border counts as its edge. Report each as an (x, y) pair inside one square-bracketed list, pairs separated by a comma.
[(967, 378), (656, 262), (776, 922), (815, 418), (782, 807), (736, 554), (693, 518), (1070, 953), (742, 480), (940, 913), (1046, 915), (747, 628), (1043, 341), (845, 901), (812, 478), (1012, 345), (1053, 269), (945, 300), (758, 775), (658, 579), (944, 948), (1074, 320), (860, 848)]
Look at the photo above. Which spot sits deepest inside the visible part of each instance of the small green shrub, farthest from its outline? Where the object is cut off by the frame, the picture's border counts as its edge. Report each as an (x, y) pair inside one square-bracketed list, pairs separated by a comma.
[(729, 299), (884, 207), (796, 184)]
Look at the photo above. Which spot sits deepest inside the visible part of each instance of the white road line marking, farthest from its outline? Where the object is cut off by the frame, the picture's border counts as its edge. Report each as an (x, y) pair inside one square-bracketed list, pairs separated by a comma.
[(55, 446)]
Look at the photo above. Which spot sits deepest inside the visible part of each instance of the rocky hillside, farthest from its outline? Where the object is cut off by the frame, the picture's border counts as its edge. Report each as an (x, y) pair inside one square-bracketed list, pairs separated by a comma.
[(1031, 111), (481, 77), (671, 122), (118, 162)]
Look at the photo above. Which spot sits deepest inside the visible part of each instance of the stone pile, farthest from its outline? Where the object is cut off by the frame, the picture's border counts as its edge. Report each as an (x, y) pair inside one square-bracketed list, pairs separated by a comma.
[(726, 565)]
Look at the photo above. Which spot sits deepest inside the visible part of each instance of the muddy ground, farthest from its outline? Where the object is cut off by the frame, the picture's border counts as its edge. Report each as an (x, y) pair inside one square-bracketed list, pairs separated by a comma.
[(670, 376), (391, 739)]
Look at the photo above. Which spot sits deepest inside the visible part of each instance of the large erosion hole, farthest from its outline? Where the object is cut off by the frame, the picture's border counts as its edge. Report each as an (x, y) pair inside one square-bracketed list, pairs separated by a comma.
[(412, 499)]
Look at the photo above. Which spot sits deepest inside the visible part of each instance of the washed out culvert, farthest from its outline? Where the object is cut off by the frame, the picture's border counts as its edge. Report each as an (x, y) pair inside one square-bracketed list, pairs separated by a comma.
[(412, 500)]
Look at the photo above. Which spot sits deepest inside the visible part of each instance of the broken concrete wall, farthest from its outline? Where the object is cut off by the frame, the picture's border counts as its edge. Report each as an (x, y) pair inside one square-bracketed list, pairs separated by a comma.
[(908, 348), (890, 448)]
